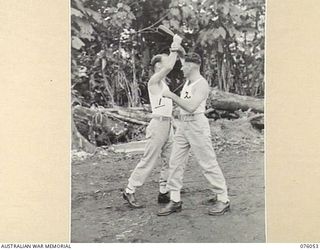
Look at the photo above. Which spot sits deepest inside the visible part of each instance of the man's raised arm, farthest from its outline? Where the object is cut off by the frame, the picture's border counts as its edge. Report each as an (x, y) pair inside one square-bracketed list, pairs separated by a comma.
[(169, 63)]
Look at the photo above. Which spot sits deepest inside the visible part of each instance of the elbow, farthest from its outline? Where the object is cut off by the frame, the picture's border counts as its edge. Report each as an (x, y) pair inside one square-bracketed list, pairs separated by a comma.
[(192, 109)]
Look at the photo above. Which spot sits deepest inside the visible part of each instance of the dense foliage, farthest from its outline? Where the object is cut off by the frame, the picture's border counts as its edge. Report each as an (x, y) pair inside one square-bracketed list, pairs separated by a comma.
[(113, 41)]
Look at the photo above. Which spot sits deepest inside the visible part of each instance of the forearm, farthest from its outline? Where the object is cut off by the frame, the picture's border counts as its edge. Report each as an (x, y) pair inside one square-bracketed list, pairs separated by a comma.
[(171, 60), (180, 54), (165, 70), (175, 46)]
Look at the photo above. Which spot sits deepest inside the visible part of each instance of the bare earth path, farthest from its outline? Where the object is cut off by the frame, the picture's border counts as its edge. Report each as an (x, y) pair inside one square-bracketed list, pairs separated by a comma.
[(99, 213)]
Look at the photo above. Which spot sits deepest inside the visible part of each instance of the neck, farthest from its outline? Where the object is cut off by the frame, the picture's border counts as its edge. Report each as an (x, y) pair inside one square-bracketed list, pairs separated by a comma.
[(194, 77)]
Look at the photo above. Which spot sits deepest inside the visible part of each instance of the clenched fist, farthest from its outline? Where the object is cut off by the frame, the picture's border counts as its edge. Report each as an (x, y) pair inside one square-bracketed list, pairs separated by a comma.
[(177, 39)]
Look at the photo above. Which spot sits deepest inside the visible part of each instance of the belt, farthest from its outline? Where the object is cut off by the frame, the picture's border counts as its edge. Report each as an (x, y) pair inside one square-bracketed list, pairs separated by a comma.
[(162, 118), (188, 117)]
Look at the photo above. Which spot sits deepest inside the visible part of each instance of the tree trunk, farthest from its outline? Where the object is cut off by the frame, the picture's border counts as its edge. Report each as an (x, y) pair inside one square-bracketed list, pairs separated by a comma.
[(107, 86), (223, 75), (78, 141), (219, 65), (232, 102), (134, 89)]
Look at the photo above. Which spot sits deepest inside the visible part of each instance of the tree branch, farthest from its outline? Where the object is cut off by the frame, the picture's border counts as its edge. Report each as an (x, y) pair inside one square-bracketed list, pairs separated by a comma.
[(151, 26)]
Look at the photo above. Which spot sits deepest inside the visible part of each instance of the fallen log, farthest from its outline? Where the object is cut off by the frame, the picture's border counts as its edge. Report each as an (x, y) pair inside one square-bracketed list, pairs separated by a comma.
[(125, 118), (257, 121), (80, 142), (137, 115), (101, 127), (144, 108), (231, 102), (220, 114)]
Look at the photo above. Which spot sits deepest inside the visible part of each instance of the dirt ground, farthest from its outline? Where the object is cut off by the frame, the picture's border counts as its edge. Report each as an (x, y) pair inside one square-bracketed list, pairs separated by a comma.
[(99, 214)]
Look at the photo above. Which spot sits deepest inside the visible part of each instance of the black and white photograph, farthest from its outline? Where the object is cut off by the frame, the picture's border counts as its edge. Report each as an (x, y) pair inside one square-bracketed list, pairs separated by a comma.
[(167, 106)]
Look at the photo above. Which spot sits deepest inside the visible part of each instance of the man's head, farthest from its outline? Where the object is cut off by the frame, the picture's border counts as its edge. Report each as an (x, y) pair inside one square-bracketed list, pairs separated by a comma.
[(191, 64), (158, 60)]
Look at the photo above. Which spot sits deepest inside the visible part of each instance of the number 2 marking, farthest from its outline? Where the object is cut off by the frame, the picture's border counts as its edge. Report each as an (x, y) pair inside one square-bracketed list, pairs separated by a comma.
[(187, 95)]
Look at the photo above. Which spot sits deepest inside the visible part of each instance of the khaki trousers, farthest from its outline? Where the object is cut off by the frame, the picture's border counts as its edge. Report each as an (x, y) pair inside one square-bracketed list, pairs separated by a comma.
[(157, 151), (194, 133)]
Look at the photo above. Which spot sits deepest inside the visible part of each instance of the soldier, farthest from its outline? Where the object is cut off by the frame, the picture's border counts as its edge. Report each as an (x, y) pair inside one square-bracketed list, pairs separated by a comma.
[(159, 131), (193, 133)]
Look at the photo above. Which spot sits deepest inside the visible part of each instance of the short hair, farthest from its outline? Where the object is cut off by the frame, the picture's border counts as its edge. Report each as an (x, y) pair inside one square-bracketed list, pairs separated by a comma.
[(156, 59), (193, 57)]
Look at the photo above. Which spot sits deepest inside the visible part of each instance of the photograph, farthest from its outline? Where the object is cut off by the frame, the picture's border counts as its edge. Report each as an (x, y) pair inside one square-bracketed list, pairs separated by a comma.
[(160, 121), (167, 121)]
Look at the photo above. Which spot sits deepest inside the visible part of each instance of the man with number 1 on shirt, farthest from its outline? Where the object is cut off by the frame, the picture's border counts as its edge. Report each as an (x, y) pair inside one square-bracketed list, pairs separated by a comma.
[(159, 131)]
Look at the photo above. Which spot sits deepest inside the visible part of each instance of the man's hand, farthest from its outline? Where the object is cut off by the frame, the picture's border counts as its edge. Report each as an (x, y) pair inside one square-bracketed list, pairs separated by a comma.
[(177, 39), (176, 43), (200, 94), (175, 47), (167, 93)]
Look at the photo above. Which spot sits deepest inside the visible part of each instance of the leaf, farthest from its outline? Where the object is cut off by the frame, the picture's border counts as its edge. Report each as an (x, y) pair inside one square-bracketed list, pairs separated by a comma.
[(221, 31), (79, 5), (96, 62), (175, 12), (126, 8), (205, 20), (202, 39), (186, 11), (166, 23), (101, 53), (216, 33), (95, 15), (254, 3), (104, 63), (76, 12), (131, 16), (74, 31), (76, 43), (175, 24), (234, 32), (236, 11), (220, 47), (248, 29), (237, 19), (86, 29), (224, 7)]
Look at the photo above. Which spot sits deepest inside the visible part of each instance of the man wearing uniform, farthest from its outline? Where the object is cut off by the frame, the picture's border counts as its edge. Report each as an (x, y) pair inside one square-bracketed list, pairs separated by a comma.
[(193, 133), (159, 131)]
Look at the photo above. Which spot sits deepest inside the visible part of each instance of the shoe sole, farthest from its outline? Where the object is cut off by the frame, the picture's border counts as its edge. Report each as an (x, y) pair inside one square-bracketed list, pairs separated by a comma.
[(227, 209), (170, 212), (130, 205)]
